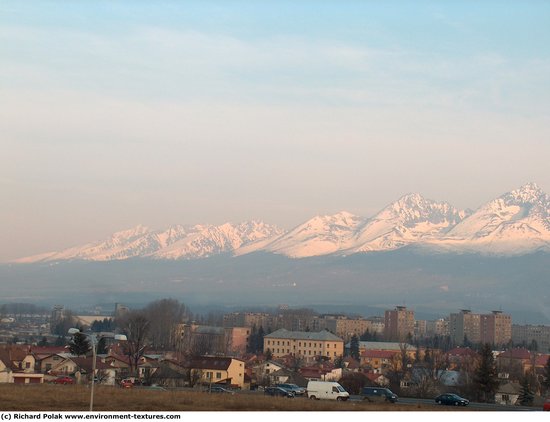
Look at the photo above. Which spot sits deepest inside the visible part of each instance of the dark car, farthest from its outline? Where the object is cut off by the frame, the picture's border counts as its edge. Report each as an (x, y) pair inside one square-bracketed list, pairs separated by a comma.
[(293, 388), (278, 392), (220, 390), (378, 394), (451, 400)]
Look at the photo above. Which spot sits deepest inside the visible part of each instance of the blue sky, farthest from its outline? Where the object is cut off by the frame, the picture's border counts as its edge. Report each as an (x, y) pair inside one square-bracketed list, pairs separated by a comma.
[(119, 113)]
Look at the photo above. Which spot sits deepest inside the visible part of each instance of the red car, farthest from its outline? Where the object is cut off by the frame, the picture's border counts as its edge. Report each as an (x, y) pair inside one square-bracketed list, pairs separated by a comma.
[(126, 383), (63, 380), (546, 405)]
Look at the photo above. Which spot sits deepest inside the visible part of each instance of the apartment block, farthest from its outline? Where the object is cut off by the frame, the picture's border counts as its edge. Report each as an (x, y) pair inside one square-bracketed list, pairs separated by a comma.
[(346, 328), (496, 328), (465, 325), (398, 324), (526, 334)]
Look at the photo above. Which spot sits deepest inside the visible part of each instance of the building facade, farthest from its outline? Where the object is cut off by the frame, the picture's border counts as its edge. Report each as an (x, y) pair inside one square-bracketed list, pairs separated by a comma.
[(307, 345), (398, 324)]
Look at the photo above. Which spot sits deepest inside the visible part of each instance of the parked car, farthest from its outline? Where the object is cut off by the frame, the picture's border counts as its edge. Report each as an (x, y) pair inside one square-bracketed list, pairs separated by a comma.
[(63, 380), (326, 390), (546, 405), (451, 399), (278, 392), (218, 389), (126, 383), (298, 391), (378, 394)]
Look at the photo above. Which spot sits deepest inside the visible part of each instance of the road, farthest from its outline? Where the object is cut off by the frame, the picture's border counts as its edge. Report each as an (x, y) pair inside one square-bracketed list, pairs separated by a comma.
[(472, 405)]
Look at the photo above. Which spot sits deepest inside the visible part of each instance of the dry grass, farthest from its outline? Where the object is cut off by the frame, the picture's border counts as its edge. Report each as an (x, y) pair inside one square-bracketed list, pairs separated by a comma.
[(76, 398)]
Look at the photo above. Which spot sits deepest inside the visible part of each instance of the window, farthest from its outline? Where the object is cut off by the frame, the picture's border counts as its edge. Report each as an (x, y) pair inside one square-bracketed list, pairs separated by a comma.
[(309, 344), (309, 352), (334, 390), (218, 375), (300, 344), (328, 345), (334, 353), (27, 365), (278, 344)]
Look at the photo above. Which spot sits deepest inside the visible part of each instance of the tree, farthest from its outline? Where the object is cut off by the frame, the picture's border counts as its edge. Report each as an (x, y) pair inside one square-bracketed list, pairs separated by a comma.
[(354, 382), (163, 316), (79, 344), (354, 347), (268, 354), (546, 381), (43, 342), (526, 396), (485, 376), (61, 326), (136, 327)]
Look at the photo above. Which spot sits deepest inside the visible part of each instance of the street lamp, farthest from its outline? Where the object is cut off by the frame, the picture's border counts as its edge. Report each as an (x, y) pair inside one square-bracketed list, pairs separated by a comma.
[(94, 341)]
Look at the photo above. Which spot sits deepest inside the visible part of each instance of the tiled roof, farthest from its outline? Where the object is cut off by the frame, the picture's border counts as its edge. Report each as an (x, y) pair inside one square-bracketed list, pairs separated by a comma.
[(384, 345), (517, 353), (542, 360), (381, 354), (209, 362), (86, 364), (303, 335)]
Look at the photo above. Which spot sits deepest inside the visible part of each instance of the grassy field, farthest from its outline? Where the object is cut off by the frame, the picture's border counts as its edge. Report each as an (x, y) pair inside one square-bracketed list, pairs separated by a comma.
[(76, 398)]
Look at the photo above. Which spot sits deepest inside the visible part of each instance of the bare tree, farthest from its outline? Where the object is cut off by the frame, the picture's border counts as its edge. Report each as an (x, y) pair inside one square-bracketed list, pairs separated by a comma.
[(136, 327), (163, 316)]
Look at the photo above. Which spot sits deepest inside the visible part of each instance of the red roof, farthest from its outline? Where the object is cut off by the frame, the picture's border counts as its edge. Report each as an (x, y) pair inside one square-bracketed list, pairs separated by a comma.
[(517, 353), (541, 360), (48, 350), (380, 354)]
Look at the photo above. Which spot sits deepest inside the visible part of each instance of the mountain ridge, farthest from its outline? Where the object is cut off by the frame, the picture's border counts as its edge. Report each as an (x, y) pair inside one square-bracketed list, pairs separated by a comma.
[(516, 222)]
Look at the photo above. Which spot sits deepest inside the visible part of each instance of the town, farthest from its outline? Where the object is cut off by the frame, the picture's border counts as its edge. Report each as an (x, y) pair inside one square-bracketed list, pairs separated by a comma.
[(483, 357)]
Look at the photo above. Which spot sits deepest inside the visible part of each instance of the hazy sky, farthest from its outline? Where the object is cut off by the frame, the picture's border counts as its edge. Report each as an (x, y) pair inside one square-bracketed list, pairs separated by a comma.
[(119, 113)]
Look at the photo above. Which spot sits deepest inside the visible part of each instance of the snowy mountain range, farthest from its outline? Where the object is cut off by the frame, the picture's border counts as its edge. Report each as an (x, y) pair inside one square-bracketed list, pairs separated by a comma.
[(516, 223)]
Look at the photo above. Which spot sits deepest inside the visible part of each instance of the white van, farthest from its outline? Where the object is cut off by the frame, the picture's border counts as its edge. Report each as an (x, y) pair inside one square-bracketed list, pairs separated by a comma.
[(326, 390)]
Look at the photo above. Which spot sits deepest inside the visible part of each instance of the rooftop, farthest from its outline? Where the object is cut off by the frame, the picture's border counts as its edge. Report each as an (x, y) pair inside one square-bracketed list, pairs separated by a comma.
[(304, 335)]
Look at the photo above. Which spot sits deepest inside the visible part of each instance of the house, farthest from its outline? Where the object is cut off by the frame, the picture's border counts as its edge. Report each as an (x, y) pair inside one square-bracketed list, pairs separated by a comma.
[(321, 373), (307, 345), (81, 368), (47, 362), (104, 373), (262, 369), (508, 393), (17, 366), (217, 370), (515, 360), (378, 379), (379, 361), (286, 376)]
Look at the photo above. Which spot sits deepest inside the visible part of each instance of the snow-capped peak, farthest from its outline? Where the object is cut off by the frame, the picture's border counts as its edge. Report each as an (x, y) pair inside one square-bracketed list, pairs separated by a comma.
[(529, 193), (514, 223)]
